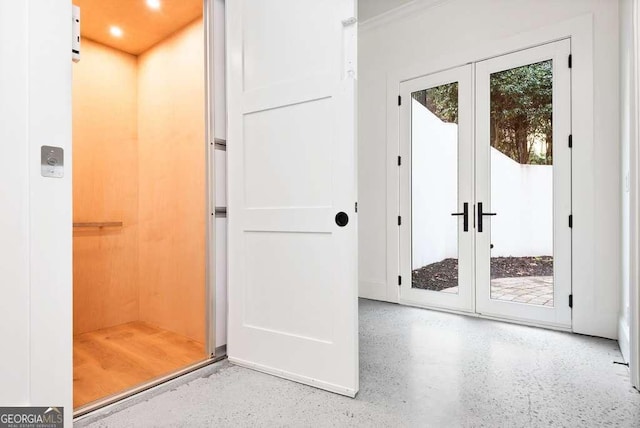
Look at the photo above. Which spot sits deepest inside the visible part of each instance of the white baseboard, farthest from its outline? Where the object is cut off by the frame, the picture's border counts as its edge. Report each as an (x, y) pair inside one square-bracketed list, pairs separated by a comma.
[(374, 290)]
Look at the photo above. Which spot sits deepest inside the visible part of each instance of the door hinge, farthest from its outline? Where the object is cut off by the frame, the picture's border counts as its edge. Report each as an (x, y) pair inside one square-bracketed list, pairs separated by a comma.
[(349, 21), (399, 220), (570, 61), (571, 300), (399, 280), (570, 141), (399, 160), (356, 207), (570, 220), (399, 100)]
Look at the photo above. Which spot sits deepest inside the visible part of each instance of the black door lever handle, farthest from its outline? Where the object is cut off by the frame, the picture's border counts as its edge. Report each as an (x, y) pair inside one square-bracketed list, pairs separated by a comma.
[(465, 214), (481, 215)]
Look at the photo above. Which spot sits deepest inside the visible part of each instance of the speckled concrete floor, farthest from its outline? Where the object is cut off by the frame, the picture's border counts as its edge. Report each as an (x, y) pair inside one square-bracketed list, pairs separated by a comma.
[(417, 368)]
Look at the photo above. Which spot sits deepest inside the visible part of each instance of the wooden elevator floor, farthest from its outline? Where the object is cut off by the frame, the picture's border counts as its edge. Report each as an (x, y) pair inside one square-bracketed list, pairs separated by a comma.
[(115, 359)]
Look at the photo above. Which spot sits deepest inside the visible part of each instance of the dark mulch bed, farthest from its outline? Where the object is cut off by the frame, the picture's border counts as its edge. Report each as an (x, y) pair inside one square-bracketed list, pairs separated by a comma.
[(436, 276), (444, 274)]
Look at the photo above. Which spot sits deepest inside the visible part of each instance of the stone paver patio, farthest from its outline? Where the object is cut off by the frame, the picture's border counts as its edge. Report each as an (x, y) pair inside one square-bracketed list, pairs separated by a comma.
[(534, 290)]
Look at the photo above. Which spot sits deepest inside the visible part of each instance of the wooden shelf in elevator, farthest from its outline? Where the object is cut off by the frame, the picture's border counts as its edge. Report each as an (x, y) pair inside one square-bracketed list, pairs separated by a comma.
[(98, 224)]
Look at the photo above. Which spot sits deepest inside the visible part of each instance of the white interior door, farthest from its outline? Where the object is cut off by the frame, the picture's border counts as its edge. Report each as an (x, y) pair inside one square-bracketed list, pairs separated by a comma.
[(293, 308), (523, 167), (436, 196)]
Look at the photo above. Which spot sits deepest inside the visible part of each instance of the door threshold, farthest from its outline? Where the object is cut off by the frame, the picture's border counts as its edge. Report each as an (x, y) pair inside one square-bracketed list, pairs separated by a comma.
[(86, 409), (526, 323)]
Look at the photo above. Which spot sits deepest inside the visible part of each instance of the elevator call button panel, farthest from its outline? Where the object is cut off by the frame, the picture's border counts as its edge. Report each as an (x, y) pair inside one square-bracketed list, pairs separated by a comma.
[(52, 161)]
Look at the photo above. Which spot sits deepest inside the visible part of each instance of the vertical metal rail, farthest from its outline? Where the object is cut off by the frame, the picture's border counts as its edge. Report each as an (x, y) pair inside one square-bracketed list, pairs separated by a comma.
[(210, 270)]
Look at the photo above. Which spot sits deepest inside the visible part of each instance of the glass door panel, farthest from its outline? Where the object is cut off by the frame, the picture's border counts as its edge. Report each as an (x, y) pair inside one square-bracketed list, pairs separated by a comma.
[(521, 139), (434, 183), (523, 188), (436, 195)]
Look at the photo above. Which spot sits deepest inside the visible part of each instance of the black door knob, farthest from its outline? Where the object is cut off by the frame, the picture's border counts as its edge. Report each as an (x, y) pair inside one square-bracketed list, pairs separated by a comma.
[(342, 219)]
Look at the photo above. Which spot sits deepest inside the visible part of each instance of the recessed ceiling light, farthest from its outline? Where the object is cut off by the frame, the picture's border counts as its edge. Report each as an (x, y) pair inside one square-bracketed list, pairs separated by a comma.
[(115, 31), (153, 4)]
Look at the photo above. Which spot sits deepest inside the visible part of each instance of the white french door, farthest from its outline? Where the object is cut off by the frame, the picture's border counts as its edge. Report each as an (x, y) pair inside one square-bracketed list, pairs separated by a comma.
[(525, 180), (502, 148), (293, 308), (436, 194)]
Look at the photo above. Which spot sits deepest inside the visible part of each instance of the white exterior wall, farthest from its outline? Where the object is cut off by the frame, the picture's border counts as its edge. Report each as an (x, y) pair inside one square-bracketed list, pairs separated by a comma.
[(433, 31), (35, 219), (521, 195), (434, 187)]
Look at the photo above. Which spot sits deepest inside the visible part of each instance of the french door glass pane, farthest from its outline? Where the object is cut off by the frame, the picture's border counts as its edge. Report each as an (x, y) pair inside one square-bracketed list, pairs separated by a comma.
[(522, 184), (434, 188)]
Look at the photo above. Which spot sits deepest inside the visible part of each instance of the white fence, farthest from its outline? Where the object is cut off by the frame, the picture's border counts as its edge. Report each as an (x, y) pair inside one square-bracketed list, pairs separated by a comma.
[(520, 194)]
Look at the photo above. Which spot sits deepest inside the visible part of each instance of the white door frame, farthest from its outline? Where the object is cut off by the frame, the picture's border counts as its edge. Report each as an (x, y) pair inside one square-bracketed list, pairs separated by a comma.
[(580, 31), (558, 316), (474, 108), (634, 204)]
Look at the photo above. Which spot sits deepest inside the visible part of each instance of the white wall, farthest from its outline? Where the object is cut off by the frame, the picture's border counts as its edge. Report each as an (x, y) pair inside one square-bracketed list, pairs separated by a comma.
[(35, 219), (629, 321), (392, 43), (521, 194), (369, 8)]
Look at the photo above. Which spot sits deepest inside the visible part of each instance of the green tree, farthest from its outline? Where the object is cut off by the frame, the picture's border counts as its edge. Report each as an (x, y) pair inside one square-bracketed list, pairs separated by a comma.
[(520, 111), (441, 101)]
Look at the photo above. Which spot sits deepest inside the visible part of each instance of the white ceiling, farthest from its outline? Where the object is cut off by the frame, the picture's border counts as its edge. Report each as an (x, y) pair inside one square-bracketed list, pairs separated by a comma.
[(370, 8)]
